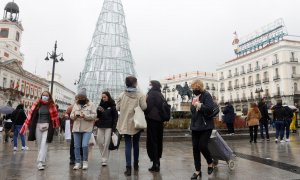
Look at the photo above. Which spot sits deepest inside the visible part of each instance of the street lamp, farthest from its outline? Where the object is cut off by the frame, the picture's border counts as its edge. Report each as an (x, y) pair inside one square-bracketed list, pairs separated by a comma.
[(54, 57)]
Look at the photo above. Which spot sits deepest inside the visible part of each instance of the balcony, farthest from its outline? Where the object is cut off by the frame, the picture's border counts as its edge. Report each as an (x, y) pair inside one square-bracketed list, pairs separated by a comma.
[(257, 82), (236, 74), (250, 83), (294, 60), (257, 68), (237, 100), (296, 92), (277, 77), (266, 80), (244, 99), (242, 72), (249, 70), (264, 66), (229, 88), (274, 62), (236, 87), (229, 76), (207, 88), (213, 88), (251, 99), (243, 85), (277, 95), (222, 89), (221, 78), (296, 76)]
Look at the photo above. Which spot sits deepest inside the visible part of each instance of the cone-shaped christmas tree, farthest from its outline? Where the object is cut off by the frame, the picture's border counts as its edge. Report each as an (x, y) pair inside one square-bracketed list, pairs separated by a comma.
[(109, 60)]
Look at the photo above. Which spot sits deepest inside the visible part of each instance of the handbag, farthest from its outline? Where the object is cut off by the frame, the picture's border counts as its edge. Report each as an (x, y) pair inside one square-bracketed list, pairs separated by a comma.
[(139, 118), (115, 140), (43, 126), (92, 140)]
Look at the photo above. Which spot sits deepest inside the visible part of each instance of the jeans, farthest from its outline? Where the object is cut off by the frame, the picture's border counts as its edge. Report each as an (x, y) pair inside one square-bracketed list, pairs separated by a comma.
[(287, 124), (132, 141), (81, 139), (200, 144), (16, 133), (279, 129), (230, 127), (251, 128), (41, 139), (103, 138), (262, 125)]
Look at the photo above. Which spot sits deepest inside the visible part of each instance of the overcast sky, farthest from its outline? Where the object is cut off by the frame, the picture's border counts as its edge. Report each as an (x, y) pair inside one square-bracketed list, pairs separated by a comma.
[(166, 36)]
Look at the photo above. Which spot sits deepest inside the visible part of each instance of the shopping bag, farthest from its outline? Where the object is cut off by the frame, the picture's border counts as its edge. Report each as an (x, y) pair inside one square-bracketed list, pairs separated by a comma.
[(115, 141), (139, 118), (67, 130), (92, 141)]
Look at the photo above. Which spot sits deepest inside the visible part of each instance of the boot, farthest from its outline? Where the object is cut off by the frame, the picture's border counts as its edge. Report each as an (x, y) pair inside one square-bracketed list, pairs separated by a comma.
[(128, 171), (155, 167), (136, 166)]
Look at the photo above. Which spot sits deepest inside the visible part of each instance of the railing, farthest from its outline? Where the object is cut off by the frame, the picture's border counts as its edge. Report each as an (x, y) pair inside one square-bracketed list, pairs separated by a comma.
[(237, 100), (229, 76), (297, 92), (250, 83), (276, 77), (213, 88), (236, 86), (243, 85), (242, 72), (221, 78), (257, 82), (251, 98), (244, 99), (222, 89), (264, 66), (275, 62), (207, 88), (249, 70), (229, 88), (294, 75), (236, 74), (265, 80), (257, 68), (293, 59)]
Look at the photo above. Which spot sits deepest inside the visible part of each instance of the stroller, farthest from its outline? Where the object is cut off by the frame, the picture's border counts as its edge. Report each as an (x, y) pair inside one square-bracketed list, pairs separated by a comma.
[(221, 151)]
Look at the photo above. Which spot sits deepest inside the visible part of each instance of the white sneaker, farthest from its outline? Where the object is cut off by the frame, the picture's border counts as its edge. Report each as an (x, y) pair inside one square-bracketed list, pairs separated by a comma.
[(40, 166), (85, 165), (104, 163), (15, 148), (287, 140), (25, 148), (282, 141), (77, 166), (276, 140)]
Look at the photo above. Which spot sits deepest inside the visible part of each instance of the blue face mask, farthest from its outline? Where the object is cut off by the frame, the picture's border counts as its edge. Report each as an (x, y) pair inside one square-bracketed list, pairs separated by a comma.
[(45, 98)]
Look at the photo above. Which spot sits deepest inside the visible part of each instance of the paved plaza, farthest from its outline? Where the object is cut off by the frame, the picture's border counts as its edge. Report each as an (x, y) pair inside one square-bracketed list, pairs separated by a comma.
[(264, 160)]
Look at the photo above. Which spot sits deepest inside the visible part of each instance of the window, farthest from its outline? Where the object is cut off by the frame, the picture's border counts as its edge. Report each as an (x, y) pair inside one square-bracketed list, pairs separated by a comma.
[(265, 74), (295, 87), (4, 82), (236, 82), (294, 70), (17, 36), (276, 71), (276, 57), (249, 66), (250, 79), (6, 54), (236, 70), (243, 80), (4, 33), (292, 55), (256, 63), (257, 77)]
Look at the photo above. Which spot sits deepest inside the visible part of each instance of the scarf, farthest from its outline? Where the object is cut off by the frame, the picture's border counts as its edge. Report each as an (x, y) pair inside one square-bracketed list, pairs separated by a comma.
[(53, 114), (131, 89)]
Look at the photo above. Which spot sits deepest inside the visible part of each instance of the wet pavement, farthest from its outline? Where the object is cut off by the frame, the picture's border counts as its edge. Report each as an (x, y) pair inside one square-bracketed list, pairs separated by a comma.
[(264, 160)]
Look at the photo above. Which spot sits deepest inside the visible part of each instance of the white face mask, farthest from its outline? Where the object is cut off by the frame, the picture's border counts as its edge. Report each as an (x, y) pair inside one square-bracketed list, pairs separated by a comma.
[(45, 98)]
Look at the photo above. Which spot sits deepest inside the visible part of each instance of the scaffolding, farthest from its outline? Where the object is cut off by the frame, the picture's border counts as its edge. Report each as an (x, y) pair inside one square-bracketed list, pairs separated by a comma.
[(109, 60)]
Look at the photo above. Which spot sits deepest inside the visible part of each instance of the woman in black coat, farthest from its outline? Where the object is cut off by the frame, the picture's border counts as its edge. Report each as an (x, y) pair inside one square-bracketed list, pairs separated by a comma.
[(201, 126), (107, 120), (155, 125), (18, 118)]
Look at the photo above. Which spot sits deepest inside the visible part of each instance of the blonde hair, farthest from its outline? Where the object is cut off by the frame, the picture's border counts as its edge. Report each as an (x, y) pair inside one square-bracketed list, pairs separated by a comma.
[(198, 85)]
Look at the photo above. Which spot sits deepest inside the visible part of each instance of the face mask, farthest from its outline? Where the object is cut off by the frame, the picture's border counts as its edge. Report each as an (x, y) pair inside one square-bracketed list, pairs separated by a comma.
[(45, 98), (196, 92), (81, 102)]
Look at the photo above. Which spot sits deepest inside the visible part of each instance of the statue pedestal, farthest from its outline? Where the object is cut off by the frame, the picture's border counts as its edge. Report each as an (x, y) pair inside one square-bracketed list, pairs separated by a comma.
[(185, 106)]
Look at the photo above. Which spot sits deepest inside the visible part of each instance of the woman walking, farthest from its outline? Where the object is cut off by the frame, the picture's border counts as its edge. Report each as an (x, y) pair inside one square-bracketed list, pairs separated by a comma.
[(83, 114), (201, 126), (126, 103), (18, 118), (108, 117), (42, 120), (253, 118), (155, 125)]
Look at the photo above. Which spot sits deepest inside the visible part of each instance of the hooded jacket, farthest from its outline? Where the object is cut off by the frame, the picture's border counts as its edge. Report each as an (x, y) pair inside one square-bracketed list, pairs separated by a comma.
[(109, 117), (126, 103), (229, 114)]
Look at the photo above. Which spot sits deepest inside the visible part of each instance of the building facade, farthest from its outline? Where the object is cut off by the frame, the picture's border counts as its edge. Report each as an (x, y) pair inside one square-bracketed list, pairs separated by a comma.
[(172, 87), (272, 71)]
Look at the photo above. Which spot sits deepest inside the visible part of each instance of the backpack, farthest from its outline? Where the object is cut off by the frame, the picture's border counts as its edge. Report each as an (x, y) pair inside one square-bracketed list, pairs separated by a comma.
[(165, 112)]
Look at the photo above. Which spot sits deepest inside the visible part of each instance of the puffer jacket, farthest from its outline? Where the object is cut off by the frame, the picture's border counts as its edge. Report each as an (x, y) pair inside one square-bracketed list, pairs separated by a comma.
[(83, 124), (253, 117), (199, 121), (126, 103)]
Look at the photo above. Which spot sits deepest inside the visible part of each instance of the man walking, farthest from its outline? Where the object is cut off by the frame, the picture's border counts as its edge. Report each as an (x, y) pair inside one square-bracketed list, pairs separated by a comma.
[(264, 121)]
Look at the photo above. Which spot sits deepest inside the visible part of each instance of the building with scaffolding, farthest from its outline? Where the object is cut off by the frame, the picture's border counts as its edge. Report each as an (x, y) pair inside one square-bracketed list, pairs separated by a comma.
[(109, 60)]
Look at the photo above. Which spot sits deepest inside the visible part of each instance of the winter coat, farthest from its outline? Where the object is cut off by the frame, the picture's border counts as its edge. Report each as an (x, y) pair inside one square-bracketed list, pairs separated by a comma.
[(126, 103), (279, 113), (253, 117), (109, 117), (85, 124), (18, 117), (264, 112), (154, 105), (199, 121), (229, 114)]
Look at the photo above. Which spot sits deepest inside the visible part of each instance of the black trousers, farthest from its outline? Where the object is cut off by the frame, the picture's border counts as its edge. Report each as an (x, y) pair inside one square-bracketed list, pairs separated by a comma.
[(262, 125), (230, 127), (154, 140), (251, 128), (200, 144)]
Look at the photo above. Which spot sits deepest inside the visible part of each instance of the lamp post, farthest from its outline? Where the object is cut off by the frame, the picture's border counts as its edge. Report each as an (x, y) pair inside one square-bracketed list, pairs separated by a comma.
[(54, 57)]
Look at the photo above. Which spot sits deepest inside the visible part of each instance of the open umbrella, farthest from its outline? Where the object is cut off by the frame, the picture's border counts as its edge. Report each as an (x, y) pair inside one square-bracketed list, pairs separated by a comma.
[(6, 110)]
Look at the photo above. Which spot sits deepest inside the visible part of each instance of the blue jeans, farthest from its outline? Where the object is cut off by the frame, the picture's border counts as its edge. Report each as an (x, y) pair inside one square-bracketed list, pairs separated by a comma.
[(81, 139), (16, 133), (279, 129), (129, 140), (287, 124)]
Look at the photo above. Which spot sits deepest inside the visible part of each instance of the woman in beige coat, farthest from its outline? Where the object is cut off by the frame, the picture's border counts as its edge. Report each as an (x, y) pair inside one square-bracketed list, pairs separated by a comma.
[(83, 114), (126, 103), (253, 118)]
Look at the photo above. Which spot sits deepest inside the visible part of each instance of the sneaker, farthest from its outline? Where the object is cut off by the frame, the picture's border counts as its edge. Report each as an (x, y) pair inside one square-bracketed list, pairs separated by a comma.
[(282, 141), (287, 140), (77, 166), (25, 148), (104, 163), (15, 149), (40, 166), (268, 139), (232, 134), (85, 165), (276, 140)]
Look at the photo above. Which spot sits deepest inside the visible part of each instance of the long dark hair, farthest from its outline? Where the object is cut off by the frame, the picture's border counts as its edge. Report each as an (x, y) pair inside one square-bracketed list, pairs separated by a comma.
[(110, 102)]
